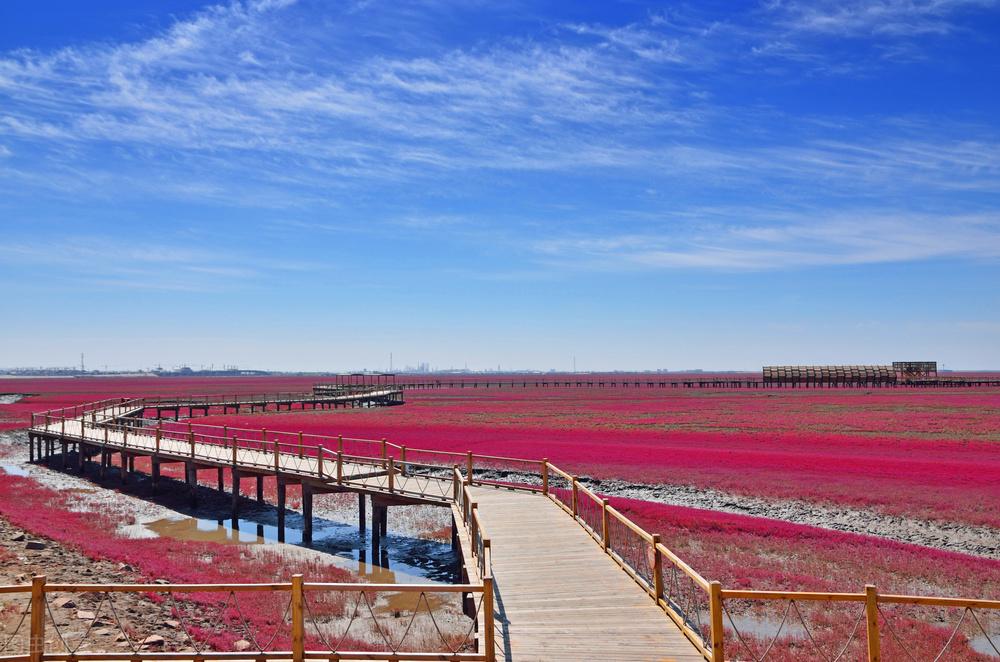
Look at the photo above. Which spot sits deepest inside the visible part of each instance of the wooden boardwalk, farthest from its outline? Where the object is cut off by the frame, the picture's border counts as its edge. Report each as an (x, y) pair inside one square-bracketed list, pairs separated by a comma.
[(558, 595)]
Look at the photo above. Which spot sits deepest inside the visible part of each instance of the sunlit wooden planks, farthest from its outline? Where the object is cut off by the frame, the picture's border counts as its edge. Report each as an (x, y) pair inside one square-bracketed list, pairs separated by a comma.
[(559, 597)]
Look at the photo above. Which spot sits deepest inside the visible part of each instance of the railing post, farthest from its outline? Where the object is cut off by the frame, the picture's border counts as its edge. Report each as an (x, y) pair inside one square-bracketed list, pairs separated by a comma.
[(235, 444), (392, 472), (384, 449), (402, 460), (263, 439), (657, 568), (605, 532), (319, 460), (545, 476), (871, 613), (489, 633), (301, 452), (340, 467), (576, 498), (298, 620), (159, 436), (124, 436), (277, 457), (340, 443), (191, 439), (468, 468), (715, 611), (455, 485), (36, 645), (32, 419)]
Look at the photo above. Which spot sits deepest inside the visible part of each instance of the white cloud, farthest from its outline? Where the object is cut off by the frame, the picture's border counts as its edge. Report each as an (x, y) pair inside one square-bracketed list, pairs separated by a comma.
[(861, 238), (865, 18)]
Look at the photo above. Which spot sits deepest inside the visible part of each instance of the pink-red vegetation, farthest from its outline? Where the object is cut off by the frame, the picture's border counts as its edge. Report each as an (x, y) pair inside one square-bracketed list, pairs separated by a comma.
[(784, 445), (47, 513), (754, 553)]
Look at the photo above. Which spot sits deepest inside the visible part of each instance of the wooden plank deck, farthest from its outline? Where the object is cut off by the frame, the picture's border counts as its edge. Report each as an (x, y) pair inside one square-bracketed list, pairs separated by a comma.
[(560, 597)]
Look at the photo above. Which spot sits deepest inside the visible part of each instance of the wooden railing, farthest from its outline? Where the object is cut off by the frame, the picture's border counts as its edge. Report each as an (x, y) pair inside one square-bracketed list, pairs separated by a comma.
[(303, 623), (694, 604)]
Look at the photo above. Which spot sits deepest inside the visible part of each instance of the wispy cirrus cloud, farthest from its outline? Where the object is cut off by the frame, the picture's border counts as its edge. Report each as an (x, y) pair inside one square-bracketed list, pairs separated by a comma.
[(722, 239), (262, 105), (866, 18)]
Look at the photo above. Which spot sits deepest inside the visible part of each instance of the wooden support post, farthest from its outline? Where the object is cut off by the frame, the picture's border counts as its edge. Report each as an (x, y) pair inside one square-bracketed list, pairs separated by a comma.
[(236, 491), (361, 513), (489, 631), (385, 450), (124, 467), (576, 498), (307, 513), (392, 474), (260, 489), (545, 476), (221, 484), (191, 472), (159, 437), (298, 620), (281, 509), (605, 530), (36, 644), (383, 521), (155, 474), (31, 447), (376, 530), (715, 614), (871, 618), (340, 467), (468, 467), (319, 461), (301, 447), (402, 460), (340, 443), (277, 456)]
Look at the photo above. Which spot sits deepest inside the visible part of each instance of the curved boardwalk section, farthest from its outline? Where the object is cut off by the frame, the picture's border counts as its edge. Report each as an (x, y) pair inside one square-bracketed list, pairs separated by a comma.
[(559, 597)]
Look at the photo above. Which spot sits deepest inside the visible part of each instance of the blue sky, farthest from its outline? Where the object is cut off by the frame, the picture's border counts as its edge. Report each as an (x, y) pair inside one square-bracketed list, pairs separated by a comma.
[(313, 185)]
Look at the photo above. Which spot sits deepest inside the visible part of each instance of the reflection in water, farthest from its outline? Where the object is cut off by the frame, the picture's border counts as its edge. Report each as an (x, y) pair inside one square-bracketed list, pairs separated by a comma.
[(14, 470), (400, 560)]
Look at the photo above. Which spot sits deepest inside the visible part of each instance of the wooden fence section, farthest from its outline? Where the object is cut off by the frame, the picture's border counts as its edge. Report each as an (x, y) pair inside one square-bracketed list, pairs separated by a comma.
[(307, 629), (532, 553)]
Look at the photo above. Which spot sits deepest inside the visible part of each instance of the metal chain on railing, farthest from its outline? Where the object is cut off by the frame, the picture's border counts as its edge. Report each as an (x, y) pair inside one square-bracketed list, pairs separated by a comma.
[(689, 610), (850, 639), (947, 644), (739, 635), (394, 648), (20, 623), (249, 633)]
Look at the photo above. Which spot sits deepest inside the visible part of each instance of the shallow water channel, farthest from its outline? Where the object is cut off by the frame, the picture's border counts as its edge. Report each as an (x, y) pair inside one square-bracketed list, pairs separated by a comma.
[(399, 560)]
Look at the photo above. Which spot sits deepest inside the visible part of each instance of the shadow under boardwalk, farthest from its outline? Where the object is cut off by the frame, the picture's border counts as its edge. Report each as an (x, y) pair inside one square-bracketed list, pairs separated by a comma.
[(560, 597)]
